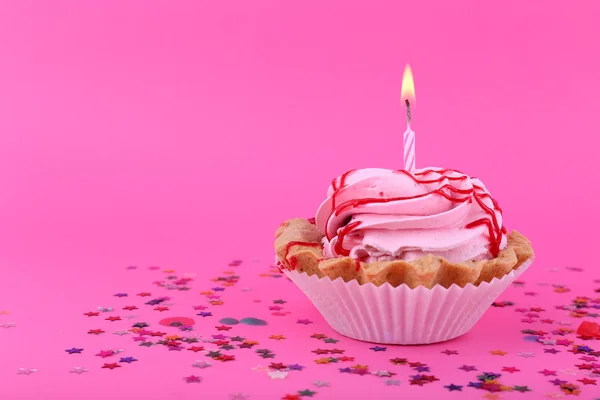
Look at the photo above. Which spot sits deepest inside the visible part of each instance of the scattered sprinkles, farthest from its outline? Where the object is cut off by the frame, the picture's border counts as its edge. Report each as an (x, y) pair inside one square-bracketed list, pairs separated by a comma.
[(287, 344)]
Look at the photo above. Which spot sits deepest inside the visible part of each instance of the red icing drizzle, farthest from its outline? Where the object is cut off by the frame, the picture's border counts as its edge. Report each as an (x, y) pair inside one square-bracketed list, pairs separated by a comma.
[(293, 261), (336, 188), (494, 229)]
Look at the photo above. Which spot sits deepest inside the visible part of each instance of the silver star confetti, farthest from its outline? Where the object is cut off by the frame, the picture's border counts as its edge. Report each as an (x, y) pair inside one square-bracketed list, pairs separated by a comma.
[(321, 383), (526, 354), (131, 316), (116, 351), (381, 373), (246, 289), (391, 382), (9, 325), (26, 371), (201, 364), (78, 370), (105, 309), (120, 333)]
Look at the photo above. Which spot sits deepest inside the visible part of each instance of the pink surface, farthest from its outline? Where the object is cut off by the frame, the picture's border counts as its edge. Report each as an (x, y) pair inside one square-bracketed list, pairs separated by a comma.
[(181, 134)]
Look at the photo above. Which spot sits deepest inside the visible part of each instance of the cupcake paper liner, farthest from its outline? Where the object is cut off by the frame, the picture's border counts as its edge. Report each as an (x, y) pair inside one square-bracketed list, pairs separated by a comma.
[(400, 315)]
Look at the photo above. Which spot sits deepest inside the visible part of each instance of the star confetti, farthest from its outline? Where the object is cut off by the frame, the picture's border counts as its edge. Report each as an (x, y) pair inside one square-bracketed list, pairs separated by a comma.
[(560, 319), (193, 379), (74, 350), (26, 371)]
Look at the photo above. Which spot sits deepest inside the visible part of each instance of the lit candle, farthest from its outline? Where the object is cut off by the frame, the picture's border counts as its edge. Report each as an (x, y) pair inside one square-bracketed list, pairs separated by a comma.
[(408, 96)]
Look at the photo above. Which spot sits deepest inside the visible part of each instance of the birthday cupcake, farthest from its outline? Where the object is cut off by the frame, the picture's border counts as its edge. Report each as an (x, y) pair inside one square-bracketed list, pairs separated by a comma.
[(403, 257)]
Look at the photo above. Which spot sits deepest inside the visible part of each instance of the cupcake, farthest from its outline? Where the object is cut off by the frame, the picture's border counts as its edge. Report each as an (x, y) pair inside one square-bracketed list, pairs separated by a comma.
[(403, 257)]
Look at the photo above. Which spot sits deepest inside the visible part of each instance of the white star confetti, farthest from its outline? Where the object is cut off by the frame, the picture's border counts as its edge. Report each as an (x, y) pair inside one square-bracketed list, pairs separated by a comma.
[(321, 383), (78, 370), (568, 371), (9, 325), (260, 368), (391, 382), (277, 374)]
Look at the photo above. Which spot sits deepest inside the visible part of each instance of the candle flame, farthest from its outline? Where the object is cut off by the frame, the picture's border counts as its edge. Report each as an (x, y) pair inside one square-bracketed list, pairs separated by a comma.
[(408, 86)]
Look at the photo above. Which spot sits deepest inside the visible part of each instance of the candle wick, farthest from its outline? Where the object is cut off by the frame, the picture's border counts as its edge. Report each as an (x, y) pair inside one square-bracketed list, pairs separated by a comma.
[(408, 116)]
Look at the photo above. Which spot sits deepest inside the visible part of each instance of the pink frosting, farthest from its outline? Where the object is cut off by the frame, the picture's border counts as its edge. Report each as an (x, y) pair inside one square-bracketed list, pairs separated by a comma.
[(419, 221)]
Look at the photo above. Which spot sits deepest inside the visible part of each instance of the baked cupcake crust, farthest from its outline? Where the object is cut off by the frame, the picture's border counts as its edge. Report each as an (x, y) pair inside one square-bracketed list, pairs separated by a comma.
[(298, 245)]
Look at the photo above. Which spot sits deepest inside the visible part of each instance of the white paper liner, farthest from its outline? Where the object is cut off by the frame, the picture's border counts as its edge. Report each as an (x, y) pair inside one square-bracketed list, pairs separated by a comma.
[(400, 315)]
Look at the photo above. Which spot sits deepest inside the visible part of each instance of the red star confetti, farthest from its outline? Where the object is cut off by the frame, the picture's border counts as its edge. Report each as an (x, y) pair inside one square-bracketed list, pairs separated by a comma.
[(91, 314)]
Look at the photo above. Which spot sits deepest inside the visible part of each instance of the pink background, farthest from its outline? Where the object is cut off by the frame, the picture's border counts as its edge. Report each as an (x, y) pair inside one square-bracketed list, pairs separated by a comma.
[(182, 133)]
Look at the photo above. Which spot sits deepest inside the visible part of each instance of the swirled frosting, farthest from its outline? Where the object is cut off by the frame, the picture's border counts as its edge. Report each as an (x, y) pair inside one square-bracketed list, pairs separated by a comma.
[(380, 215)]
